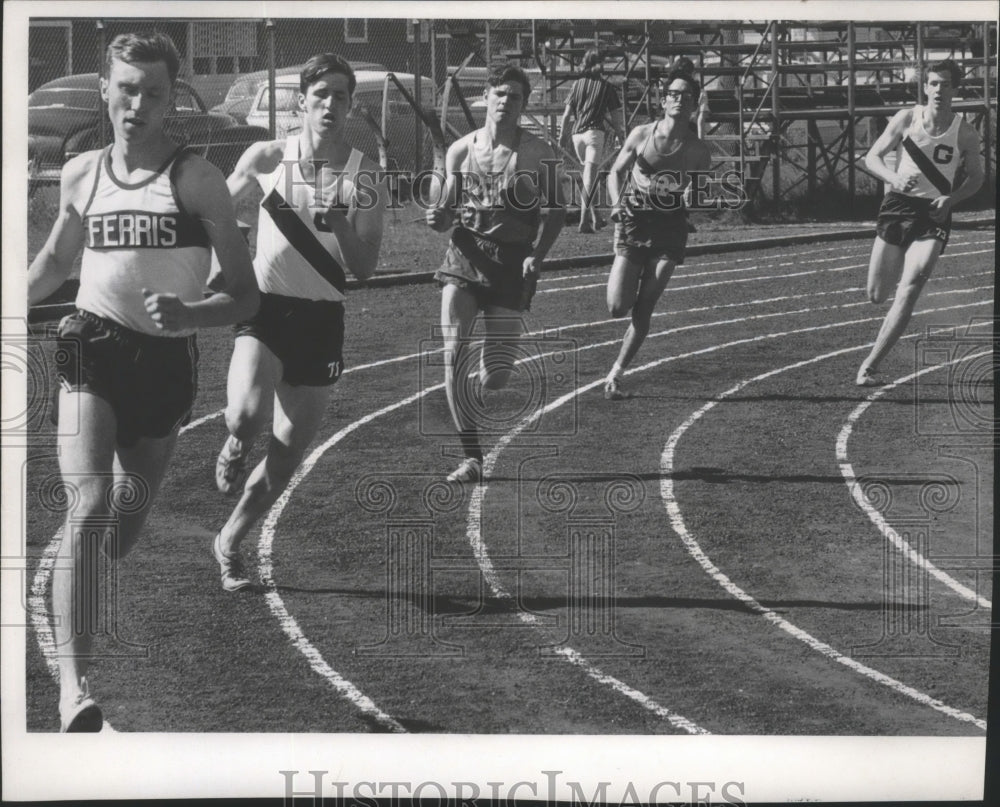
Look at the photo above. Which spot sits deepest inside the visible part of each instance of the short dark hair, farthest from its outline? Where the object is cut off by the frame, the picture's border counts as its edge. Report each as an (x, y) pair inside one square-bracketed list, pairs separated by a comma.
[(942, 67), (683, 65), (675, 74), (507, 72), (591, 60), (150, 46), (322, 63)]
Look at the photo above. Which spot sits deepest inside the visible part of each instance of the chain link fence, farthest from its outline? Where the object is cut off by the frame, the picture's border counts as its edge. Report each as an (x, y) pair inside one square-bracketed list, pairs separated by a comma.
[(239, 84)]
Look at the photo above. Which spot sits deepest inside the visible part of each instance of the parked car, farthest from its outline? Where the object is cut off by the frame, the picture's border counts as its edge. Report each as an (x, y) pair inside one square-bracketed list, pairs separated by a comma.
[(373, 94), (242, 91), (64, 119)]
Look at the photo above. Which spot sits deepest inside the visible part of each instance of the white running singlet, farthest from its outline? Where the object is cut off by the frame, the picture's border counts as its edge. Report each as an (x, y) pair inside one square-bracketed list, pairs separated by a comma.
[(942, 151), (296, 255), (139, 236)]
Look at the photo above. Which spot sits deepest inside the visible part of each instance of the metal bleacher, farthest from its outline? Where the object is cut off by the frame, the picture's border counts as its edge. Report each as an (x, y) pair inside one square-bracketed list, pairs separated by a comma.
[(790, 102)]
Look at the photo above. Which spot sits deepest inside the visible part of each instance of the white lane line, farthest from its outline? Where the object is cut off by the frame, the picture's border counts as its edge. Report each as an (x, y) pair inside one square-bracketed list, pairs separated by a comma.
[(37, 604), (687, 270), (695, 550), (763, 301), (757, 317), (839, 254), (755, 279), (265, 548), (42, 578), (847, 471), (40, 613), (481, 554), (489, 462)]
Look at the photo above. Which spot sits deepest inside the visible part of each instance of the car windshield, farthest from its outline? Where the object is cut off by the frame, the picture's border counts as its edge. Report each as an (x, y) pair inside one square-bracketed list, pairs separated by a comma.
[(244, 88), (64, 98)]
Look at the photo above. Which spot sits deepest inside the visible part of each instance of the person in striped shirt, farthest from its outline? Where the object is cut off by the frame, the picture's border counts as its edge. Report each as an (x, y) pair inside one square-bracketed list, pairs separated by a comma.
[(591, 103)]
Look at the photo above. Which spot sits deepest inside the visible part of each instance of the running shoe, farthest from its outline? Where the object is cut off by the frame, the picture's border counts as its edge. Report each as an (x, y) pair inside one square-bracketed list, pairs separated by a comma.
[(613, 390), (867, 378), (471, 470), (82, 713), (231, 569), (231, 466)]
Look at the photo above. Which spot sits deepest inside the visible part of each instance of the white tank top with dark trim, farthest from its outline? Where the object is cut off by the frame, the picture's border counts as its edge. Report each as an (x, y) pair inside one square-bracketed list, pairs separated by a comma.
[(659, 174), (290, 257), (139, 236), (941, 150)]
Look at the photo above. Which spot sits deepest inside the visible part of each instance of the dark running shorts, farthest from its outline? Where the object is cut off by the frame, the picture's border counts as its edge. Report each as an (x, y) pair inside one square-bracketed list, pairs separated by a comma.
[(904, 219), (149, 381), (492, 270), (307, 336), (643, 236)]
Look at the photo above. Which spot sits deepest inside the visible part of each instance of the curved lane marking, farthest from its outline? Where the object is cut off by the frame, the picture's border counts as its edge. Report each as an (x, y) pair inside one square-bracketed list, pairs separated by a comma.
[(42, 578), (847, 471), (695, 550)]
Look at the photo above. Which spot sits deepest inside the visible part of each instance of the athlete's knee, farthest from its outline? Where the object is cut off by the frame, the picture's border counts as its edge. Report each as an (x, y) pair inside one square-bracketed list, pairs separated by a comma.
[(618, 308), (90, 497), (909, 291)]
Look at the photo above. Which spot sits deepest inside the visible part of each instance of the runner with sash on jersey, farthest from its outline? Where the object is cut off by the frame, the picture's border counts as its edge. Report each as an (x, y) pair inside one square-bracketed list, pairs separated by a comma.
[(147, 215), (321, 214), (931, 143), (504, 183), (647, 185)]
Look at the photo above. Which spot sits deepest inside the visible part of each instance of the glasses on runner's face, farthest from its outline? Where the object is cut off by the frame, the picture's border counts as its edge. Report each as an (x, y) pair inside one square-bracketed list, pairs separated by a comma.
[(676, 94)]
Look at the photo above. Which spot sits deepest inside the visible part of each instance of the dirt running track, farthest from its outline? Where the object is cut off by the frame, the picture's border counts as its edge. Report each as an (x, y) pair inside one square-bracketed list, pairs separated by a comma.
[(748, 545)]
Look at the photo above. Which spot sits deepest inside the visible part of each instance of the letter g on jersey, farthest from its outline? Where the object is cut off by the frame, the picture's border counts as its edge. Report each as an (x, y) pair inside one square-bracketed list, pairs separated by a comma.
[(943, 154)]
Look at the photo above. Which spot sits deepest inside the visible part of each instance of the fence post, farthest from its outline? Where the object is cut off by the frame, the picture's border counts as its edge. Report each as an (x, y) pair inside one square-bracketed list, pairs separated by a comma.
[(417, 124), (850, 111), (987, 123), (775, 118), (101, 46), (272, 120)]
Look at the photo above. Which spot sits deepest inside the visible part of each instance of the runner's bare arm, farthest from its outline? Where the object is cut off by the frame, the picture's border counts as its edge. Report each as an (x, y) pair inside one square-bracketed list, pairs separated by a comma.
[(202, 190), (622, 165), (441, 217), (261, 158), (887, 142), (359, 234), (51, 266), (553, 205)]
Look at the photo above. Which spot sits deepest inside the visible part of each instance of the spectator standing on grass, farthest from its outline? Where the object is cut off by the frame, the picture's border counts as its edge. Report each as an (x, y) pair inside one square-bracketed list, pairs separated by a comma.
[(321, 213), (914, 221), (147, 215), (504, 182), (646, 186), (591, 103)]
